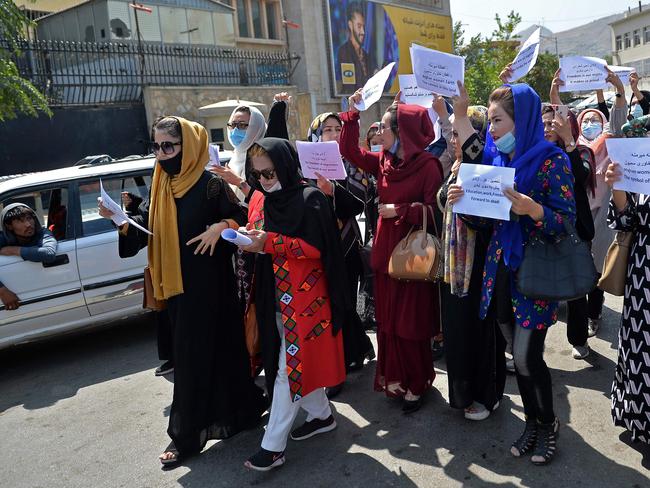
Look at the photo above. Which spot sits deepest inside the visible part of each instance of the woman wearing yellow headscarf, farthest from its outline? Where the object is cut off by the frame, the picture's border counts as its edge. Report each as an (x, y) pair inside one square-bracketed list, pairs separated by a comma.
[(191, 268)]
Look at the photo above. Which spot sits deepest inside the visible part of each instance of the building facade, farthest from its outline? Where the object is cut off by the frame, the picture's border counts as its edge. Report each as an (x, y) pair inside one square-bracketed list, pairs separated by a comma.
[(631, 42)]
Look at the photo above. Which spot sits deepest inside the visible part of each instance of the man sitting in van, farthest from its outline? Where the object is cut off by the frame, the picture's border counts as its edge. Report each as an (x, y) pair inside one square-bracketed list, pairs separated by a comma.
[(22, 235)]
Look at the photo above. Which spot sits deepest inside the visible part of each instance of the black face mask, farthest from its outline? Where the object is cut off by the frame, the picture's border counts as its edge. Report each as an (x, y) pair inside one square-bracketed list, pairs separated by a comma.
[(172, 166)]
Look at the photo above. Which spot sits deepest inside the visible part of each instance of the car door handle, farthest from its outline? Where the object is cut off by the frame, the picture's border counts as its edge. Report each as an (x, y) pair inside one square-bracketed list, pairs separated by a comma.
[(60, 260)]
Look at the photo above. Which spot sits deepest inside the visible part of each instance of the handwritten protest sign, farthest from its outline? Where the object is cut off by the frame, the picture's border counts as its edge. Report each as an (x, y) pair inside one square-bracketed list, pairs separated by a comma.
[(633, 155), (623, 72), (483, 186), (119, 216), (413, 94), (374, 87), (321, 157), (526, 57), (581, 73), (436, 71)]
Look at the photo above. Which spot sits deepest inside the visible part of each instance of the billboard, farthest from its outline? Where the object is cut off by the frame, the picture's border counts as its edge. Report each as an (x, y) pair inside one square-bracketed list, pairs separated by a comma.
[(366, 35)]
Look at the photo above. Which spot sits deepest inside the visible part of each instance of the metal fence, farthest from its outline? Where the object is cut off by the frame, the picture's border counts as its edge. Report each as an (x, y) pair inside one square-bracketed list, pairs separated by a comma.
[(85, 73)]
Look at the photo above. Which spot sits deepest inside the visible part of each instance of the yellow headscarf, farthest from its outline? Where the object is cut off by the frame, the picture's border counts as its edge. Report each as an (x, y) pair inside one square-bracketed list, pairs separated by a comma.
[(164, 250)]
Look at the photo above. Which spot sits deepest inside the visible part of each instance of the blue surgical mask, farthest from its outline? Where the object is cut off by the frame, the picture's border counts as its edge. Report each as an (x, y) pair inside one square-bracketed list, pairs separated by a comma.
[(591, 130), (376, 148), (507, 143), (394, 147), (637, 111), (237, 136)]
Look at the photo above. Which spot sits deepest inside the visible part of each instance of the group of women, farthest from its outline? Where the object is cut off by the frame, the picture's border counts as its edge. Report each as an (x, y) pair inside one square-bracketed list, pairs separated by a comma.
[(298, 279)]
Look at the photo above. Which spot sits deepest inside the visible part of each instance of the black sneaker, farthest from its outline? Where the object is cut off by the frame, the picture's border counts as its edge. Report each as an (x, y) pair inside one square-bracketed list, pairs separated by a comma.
[(265, 460), (315, 427), (165, 368)]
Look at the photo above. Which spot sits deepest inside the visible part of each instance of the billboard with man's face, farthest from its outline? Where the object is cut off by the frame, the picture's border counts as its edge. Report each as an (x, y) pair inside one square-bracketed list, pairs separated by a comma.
[(366, 36)]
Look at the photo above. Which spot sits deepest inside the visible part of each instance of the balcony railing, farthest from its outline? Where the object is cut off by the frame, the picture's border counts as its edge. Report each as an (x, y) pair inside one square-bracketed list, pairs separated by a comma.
[(85, 73)]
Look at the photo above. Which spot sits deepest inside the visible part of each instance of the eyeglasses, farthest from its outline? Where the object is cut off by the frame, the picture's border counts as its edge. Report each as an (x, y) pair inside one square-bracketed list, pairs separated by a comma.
[(166, 146), (268, 174), (238, 125)]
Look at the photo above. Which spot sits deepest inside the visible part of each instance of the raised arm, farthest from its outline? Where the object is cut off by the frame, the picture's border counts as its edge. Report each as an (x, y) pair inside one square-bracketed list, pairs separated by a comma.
[(349, 145)]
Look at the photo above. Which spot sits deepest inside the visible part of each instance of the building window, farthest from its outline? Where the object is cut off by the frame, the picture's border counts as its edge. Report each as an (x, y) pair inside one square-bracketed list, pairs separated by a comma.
[(626, 40), (646, 35), (619, 43), (637, 37), (258, 19)]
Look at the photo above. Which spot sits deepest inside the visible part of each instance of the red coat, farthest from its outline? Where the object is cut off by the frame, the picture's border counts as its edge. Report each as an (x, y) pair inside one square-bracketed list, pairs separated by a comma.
[(407, 310), (314, 355)]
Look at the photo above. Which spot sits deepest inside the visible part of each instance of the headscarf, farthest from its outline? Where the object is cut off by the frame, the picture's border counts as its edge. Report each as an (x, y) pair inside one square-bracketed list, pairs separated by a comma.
[(415, 134), (302, 211), (315, 132), (478, 117), (531, 150), (374, 126), (163, 251), (637, 127), (598, 145), (256, 130)]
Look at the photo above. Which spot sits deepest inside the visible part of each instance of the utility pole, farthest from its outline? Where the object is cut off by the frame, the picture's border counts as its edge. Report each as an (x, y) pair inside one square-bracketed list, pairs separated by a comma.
[(136, 7)]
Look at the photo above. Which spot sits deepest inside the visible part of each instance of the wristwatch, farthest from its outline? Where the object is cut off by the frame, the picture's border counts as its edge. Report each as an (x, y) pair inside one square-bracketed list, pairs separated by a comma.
[(571, 144)]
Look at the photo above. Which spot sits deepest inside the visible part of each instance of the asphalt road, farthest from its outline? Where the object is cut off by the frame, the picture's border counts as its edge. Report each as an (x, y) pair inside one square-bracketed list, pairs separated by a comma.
[(87, 411)]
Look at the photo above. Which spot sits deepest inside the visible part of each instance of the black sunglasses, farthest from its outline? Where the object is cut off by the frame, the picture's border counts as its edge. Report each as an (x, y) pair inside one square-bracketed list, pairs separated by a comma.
[(266, 173), (166, 146), (239, 125)]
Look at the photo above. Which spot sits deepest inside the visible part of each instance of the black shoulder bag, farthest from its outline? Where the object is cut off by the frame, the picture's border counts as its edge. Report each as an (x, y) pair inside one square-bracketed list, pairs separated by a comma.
[(557, 270)]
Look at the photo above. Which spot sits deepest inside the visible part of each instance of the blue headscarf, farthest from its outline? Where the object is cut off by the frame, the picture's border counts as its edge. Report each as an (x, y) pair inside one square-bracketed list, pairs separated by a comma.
[(531, 150)]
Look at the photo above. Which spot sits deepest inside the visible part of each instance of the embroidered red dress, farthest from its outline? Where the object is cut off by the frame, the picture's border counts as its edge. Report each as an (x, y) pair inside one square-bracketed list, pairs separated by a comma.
[(314, 356), (405, 312)]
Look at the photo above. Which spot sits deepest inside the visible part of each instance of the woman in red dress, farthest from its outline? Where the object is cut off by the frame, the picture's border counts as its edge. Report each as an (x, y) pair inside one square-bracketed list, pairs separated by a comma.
[(407, 177), (300, 299)]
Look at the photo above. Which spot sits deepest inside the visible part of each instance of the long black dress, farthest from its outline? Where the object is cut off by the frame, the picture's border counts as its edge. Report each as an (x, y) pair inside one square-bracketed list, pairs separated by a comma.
[(474, 348), (214, 394)]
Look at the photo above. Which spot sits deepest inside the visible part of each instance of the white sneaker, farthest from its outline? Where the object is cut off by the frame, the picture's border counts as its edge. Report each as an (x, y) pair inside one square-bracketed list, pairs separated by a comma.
[(477, 411), (592, 327), (580, 352)]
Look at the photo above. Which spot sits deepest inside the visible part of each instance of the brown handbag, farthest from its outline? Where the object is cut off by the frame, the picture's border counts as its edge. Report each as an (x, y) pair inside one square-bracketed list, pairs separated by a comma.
[(149, 301), (615, 266), (417, 257)]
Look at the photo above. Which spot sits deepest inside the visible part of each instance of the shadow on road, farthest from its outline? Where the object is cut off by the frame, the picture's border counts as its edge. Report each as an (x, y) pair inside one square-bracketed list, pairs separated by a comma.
[(39, 375)]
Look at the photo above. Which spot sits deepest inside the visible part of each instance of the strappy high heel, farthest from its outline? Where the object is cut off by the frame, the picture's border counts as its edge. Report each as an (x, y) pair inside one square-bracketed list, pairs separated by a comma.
[(526, 441), (545, 446)]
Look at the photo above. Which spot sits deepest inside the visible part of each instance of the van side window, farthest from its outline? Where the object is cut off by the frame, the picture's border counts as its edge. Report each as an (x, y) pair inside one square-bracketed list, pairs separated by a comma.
[(51, 206), (129, 192)]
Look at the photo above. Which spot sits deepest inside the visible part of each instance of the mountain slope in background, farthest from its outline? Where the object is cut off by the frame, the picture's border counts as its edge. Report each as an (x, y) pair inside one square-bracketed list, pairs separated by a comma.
[(592, 39)]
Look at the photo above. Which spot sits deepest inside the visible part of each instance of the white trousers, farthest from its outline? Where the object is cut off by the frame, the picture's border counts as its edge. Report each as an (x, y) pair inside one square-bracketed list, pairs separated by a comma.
[(283, 410)]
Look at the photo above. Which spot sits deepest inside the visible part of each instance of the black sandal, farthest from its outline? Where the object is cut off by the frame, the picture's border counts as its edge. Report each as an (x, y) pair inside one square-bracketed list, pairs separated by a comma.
[(174, 461), (547, 435), (527, 441)]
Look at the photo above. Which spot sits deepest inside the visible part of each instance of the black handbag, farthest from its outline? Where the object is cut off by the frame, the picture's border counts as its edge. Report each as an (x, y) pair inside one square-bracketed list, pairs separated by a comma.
[(557, 270)]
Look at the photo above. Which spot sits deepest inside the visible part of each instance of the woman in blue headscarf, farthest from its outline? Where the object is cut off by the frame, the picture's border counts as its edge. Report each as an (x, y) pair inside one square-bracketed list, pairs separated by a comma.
[(541, 203)]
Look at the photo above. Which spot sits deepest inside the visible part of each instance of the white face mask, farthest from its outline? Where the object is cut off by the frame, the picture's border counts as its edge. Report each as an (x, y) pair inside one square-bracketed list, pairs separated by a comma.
[(376, 148), (276, 187)]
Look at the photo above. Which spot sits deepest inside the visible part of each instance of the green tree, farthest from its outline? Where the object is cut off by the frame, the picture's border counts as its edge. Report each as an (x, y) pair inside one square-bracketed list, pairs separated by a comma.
[(486, 56), (17, 95)]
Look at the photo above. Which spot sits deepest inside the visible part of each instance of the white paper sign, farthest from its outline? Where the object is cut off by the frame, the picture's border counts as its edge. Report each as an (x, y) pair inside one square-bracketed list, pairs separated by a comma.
[(436, 71), (237, 238), (623, 73), (581, 73), (526, 57), (633, 155), (119, 216), (483, 186), (412, 94), (374, 88), (321, 157)]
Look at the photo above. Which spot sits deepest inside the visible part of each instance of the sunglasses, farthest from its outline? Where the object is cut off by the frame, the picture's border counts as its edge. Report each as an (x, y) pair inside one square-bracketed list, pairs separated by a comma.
[(238, 125), (167, 147), (268, 174)]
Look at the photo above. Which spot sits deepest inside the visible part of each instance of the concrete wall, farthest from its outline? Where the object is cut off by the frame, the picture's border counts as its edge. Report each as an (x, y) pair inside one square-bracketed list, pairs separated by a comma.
[(186, 101)]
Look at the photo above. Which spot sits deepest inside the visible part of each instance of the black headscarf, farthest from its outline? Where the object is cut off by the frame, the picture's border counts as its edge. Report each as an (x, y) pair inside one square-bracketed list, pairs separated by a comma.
[(297, 210)]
